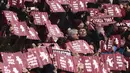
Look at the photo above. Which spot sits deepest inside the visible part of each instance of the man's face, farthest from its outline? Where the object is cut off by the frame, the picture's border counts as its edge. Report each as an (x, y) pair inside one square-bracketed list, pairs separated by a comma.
[(82, 32)]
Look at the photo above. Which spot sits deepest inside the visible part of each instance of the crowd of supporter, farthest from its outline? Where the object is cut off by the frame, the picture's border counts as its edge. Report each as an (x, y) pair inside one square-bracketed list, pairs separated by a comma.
[(73, 26)]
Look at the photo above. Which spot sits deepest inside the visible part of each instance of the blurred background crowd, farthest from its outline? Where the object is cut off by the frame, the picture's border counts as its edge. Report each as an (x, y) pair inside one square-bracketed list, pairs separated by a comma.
[(73, 25)]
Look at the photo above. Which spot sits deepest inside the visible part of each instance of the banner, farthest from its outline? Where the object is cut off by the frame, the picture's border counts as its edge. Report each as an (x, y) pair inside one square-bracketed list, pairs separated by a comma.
[(9, 69), (103, 66), (93, 11), (63, 2), (8, 58), (89, 1), (110, 61), (88, 67), (124, 23), (54, 32), (110, 44), (120, 63), (33, 1), (103, 46), (96, 64), (40, 18), (127, 62), (20, 29), (15, 29), (62, 51), (6, 69), (55, 6), (20, 60), (31, 59), (64, 62), (112, 10), (33, 34), (116, 40), (38, 57), (77, 5), (23, 28), (10, 64), (43, 56), (101, 20), (16, 3), (79, 46), (10, 17)]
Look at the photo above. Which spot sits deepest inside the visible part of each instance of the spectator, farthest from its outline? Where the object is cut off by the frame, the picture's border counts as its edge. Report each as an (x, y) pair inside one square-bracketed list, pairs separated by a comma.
[(123, 10), (83, 35), (78, 24), (73, 34), (49, 68), (127, 12), (65, 20), (127, 43), (127, 37), (61, 42)]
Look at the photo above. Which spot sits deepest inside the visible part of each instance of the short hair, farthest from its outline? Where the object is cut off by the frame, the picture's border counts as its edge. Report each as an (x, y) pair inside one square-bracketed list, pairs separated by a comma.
[(72, 31)]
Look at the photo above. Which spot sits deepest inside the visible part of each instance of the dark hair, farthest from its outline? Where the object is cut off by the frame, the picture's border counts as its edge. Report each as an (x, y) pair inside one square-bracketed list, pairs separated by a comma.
[(93, 5), (61, 41), (118, 19)]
